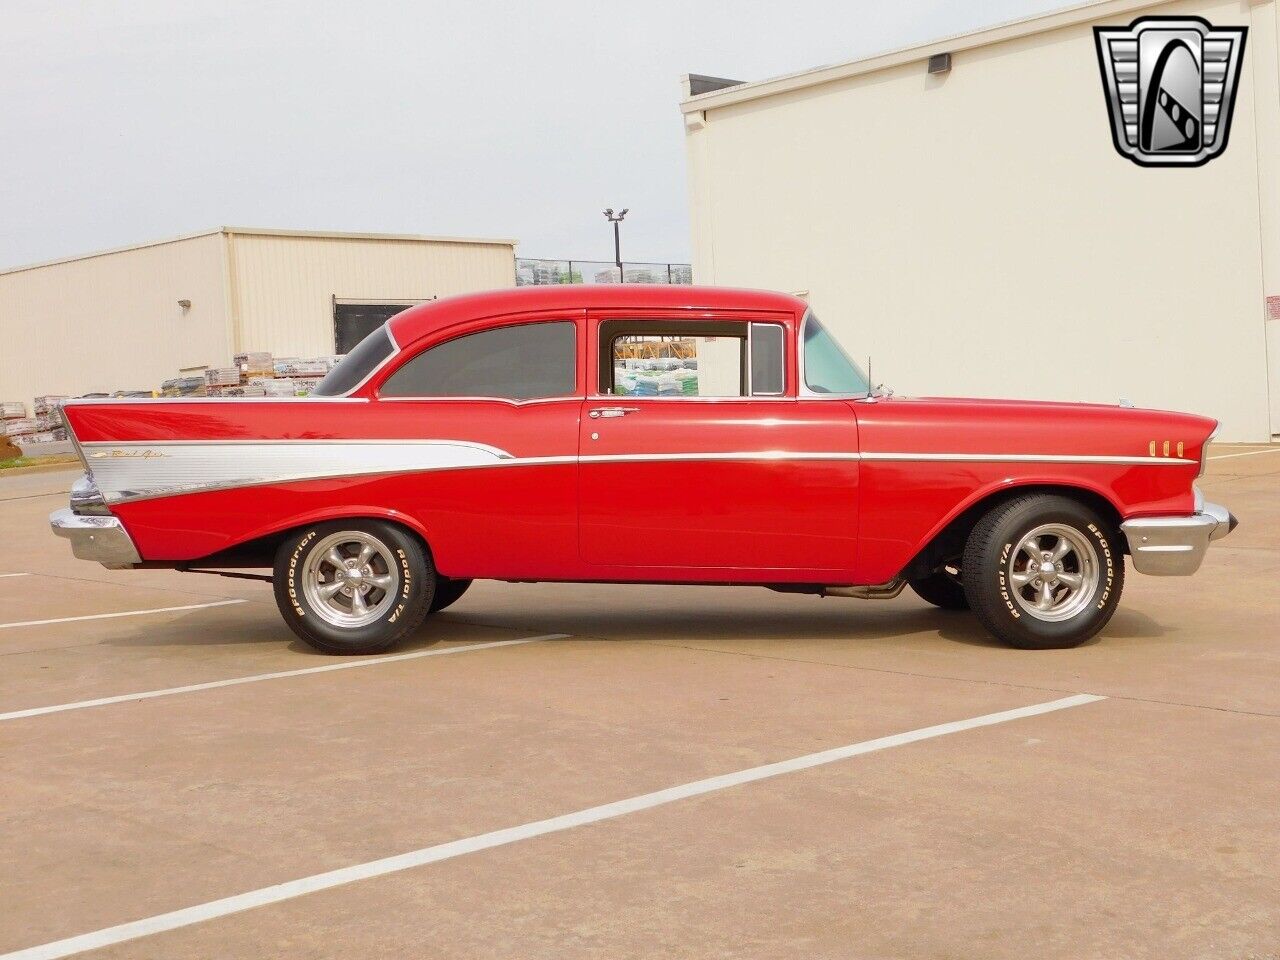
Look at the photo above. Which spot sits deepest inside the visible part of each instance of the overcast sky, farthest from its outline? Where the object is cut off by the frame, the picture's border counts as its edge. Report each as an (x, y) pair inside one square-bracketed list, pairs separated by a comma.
[(129, 121)]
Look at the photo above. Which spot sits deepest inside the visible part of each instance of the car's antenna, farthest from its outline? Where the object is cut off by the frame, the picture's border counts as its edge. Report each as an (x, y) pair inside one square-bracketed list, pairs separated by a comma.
[(871, 384)]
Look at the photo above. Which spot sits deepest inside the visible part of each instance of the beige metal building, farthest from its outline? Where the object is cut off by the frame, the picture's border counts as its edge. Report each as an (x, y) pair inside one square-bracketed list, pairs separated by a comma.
[(132, 317), (977, 233)]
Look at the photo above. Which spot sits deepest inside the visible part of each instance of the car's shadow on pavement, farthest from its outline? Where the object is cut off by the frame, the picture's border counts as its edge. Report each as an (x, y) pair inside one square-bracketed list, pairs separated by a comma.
[(857, 623)]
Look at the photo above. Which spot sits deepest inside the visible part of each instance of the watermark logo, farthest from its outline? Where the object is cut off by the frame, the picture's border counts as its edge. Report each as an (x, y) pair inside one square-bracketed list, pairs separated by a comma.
[(1171, 85)]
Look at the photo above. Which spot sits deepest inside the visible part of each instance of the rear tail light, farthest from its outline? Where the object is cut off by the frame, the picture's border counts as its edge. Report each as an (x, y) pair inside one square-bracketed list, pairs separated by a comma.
[(87, 500)]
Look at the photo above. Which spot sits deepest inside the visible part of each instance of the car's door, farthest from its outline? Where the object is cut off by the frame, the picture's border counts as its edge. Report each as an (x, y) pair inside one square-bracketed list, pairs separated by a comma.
[(493, 410), (696, 454)]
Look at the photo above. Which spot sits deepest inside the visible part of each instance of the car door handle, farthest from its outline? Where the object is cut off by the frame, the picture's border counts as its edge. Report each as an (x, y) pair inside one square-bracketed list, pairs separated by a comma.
[(608, 413)]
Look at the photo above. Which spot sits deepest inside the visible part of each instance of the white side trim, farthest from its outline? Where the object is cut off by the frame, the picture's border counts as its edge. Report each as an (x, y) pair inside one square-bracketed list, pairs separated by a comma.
[(292, 889), (130, 471)]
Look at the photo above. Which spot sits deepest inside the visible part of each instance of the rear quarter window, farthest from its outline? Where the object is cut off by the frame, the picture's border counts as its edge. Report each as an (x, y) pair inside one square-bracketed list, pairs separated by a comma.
[(355, 368)]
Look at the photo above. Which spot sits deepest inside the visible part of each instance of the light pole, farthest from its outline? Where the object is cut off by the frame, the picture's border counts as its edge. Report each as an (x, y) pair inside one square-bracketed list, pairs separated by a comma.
[(616, 219)]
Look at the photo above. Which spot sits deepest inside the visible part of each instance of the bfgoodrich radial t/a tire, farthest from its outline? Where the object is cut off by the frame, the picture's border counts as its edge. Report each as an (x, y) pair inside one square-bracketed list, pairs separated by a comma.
[(1043, 572), (353, 586)]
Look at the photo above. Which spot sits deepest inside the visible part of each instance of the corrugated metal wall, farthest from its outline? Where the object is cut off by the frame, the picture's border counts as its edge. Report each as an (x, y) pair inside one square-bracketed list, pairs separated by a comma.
[(284, 285), (978, 234), (112, 321)]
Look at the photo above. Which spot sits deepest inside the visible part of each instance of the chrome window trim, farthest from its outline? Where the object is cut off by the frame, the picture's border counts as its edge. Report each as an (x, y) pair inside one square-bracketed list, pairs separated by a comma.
[(573, 398), (802, 388)]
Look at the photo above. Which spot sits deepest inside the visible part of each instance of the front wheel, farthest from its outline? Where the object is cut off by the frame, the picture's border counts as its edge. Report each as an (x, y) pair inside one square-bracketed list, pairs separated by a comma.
[(1043, 572), (353, 586)]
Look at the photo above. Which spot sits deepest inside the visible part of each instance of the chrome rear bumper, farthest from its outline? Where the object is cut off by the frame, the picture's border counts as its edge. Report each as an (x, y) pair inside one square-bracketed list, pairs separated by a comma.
[(101, 538), (1175, 546)]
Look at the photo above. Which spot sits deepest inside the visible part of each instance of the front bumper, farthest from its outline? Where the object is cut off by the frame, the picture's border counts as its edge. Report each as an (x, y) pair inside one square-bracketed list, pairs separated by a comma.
[(101, 538), (1175, 546)]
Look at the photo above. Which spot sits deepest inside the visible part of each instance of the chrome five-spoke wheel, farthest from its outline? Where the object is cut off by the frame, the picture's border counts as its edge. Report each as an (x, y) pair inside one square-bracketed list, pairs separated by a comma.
[(1054, 572), (350, 579), (1043, 571)]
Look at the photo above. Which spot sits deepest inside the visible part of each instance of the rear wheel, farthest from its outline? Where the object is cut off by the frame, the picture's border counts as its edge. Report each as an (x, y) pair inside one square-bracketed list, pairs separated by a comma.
[(1043, 572), (353, 586), (943, 588), (448, 592)]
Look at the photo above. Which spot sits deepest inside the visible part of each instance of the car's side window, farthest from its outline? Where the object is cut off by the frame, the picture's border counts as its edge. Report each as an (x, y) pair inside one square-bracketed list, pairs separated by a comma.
[(530, 361), (651, 359)]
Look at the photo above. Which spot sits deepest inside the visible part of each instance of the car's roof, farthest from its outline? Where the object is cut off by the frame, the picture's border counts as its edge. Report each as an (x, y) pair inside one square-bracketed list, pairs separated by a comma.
[(426, 317)]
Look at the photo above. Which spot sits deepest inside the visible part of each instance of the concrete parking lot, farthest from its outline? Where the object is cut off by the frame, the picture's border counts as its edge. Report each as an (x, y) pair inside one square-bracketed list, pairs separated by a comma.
[(254, 801)]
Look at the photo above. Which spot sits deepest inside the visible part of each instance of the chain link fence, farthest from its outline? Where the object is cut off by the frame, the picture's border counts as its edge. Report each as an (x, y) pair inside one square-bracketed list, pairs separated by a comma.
[(540, 272)]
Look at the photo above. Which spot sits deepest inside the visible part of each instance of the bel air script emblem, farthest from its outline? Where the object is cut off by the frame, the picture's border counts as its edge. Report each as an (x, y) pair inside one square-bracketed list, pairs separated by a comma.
[(1170, 84), (126, 454)]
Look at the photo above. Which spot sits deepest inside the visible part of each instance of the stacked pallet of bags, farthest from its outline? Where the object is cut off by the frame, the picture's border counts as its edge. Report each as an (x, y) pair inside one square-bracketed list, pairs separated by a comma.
[(661, 377)]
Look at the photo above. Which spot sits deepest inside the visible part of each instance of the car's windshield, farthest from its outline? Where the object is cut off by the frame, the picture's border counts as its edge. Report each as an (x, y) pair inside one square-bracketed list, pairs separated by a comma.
[(827, 368), (353, 369)]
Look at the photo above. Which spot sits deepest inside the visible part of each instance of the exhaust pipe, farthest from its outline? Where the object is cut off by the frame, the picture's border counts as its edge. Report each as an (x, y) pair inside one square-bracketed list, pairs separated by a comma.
[(879, 591)]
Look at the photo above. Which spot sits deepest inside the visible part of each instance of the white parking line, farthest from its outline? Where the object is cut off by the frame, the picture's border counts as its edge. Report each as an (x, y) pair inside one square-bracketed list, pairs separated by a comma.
[(126, 613), (486, 841), (3, 575), (236, 681), (1251, 453)]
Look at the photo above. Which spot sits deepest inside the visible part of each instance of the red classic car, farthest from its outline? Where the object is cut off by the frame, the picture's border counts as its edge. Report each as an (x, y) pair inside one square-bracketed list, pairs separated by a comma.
[(641, 435)]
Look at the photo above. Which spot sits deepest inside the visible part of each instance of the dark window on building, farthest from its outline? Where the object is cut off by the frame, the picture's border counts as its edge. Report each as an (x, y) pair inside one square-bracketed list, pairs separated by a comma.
[(526, 362), (353, 322)]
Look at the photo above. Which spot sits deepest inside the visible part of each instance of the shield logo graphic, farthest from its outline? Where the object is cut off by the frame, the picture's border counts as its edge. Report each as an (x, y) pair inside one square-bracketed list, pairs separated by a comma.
[(1170, 84)]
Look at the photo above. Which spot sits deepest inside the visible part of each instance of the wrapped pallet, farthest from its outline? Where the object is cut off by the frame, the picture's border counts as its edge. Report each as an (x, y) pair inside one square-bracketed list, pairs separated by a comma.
[(19, 427), (45, 436), (254, 365), (12, 410), (222, 377), (48, 403), (280, 387)]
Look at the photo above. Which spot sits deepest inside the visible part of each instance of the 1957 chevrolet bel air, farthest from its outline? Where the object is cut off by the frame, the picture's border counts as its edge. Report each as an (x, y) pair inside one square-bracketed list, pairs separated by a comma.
[(641, 435)]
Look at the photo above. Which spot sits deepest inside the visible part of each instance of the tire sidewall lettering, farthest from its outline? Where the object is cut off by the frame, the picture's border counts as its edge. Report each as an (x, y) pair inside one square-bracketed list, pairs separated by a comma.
[(1109, 564), (1107, 559), (293, 585), (1002, 581)]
